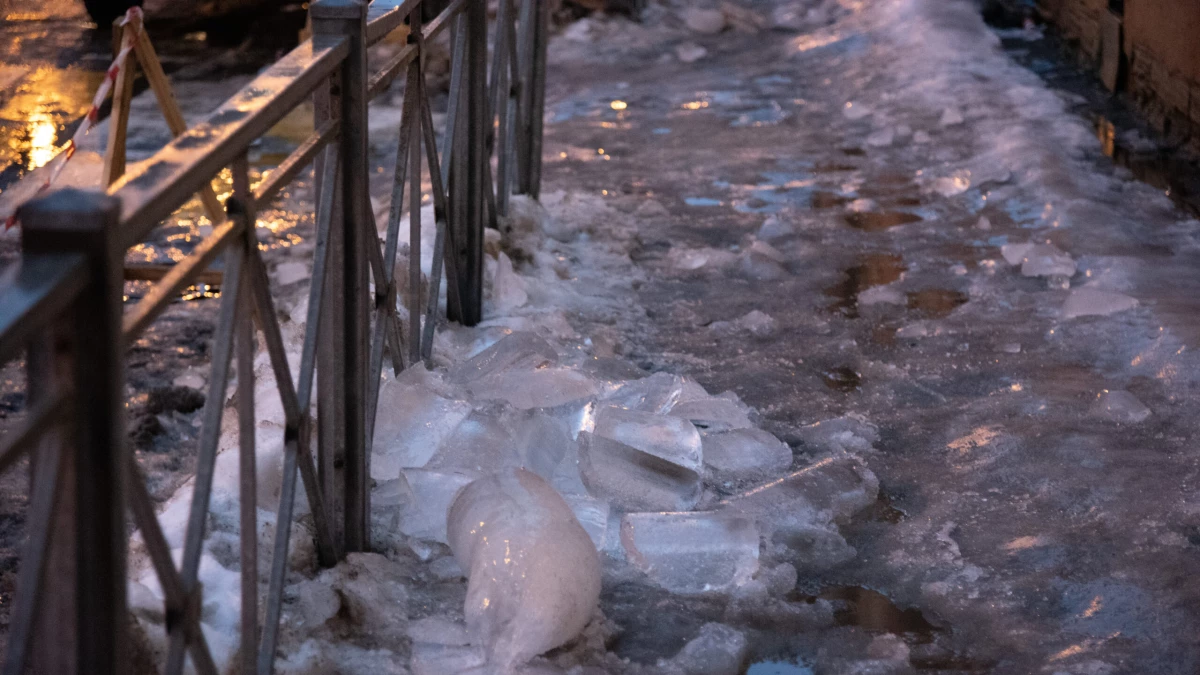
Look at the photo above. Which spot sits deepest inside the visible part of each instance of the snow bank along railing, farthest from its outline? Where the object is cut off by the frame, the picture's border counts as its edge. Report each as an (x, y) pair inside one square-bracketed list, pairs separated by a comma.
[(62, 307)]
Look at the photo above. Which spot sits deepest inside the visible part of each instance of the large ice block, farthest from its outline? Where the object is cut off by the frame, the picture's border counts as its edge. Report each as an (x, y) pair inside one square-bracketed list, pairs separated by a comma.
[(715, 413), (655, 393), (542, 388), (742, 453), (519, 351), (832, 489), (412, 420), (426, 499), (481, 442), (533, 572), (692, 552), (642, 461)]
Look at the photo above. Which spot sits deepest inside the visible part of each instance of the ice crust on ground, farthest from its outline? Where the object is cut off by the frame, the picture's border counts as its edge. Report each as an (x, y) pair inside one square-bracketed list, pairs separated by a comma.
[(1091, 302), (1119, 406)]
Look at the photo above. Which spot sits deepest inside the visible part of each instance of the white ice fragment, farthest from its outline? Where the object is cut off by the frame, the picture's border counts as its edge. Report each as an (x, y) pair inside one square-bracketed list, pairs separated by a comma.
[(446, 568), (592, 514), (716, 650), (1046, 260), (758, 323), (958, 270), (714, 413), (855, 111), (533, 572), (759, 266), (951, 117), (634, 480), (315, 602), (954, 184), (852, 433), (692, 552), (984, 224), (830, 490), (508, 289), (520, 350), (656, 393), (1119, 406), (541, 441), (742, 453), (690, 52), (438, 630), (767, 250), (775, 227), (412, 421), (704, 21), (372, 594), (669, 438), (423, 515), (887, 294), (543, 388), (921, 137), (480, 443), (881, 138), (1014, 254), (432, 658), (1091, 302)]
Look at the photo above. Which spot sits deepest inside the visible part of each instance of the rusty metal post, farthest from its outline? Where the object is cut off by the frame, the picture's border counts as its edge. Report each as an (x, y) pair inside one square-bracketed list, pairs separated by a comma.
[(83, 618), (478, 124), (350, 303)]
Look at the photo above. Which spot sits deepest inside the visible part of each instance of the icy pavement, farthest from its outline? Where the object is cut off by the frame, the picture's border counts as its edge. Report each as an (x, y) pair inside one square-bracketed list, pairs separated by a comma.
[(952, 259)]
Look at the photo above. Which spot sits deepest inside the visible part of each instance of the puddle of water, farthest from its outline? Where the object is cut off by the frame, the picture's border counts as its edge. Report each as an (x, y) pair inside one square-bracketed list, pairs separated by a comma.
[(877, 222), (842, 378), (935, 303), (35, 116), (874, 611), (877, 269)]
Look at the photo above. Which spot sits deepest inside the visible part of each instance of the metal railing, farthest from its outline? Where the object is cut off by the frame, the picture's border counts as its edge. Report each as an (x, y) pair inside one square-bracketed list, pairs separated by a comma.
[(63, 310)]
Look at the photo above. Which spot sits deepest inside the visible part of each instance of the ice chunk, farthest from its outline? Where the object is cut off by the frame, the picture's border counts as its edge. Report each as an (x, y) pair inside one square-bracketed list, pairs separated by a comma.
[(592, 514), (855, 111), (888, 294), (1014, 254), (775, 227), (757, 323), (517, 351), (764, 249), (480, 443), (716, 650), (951, 117), (1091, 302), (669, 438), (881, 138), (533, 572), (1046, 260), (1119, 406), (692, 552), (544, 388), (715, 413), (372, 594), (541, 441), (832, 489), (851, 432), (431, 658), (438, 630), (411, 422), (657, 393), (761, 267), (634, 480), (423, 513), (745, 452), (508, 288), (690, 52)]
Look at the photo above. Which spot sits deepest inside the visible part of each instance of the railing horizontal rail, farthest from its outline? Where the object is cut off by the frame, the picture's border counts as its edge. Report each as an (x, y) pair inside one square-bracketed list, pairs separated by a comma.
[(385, 16), (153, 190)]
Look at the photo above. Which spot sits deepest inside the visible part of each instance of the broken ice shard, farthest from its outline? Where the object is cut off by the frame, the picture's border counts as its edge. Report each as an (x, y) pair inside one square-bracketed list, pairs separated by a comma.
[(520, 351), (716, 650), (533, 572), (480, 443), (1091, 302), (543, 388), (592, 514), (656, 393), (715, 413), (832, 489), (412, 420), (692, 552), (642, 461), (423, 505), (1046, 260), (1119, 406), (744, 453), (850, 432)]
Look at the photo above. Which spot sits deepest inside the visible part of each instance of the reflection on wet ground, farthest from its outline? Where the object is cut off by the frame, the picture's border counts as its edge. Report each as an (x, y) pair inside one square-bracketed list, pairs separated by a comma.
[(875, 222), (842, 378), (935, 303), (876, 269), (876, 612)]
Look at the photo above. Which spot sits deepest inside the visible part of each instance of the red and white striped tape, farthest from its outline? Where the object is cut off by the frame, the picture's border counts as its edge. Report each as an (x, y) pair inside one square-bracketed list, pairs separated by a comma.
[(132, 20)]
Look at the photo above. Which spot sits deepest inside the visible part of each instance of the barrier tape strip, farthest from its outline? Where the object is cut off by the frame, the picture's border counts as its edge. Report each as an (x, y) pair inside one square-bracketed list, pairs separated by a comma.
[(132, 18)]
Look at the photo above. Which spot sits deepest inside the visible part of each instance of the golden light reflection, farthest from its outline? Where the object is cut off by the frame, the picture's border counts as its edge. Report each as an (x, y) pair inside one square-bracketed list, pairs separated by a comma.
[(695, 105), (618, 105), (976, 439), (806, 43), (44, 101), (1096, 605)]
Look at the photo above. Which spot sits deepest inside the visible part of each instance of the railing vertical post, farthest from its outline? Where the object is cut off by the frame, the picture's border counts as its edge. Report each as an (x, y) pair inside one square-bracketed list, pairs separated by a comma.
[(83, 618), (478, 126), (349, 310)]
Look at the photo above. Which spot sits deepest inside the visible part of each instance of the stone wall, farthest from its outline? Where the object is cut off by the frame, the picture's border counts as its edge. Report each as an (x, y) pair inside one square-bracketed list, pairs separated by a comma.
[(1151, 49)]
